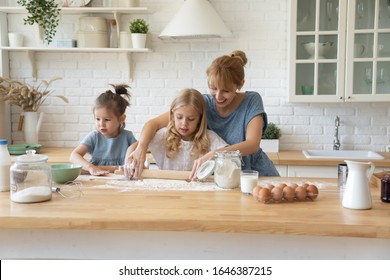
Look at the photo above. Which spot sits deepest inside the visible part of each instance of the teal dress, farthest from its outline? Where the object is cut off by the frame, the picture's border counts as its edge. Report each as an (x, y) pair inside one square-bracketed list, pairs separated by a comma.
[(108, 151)]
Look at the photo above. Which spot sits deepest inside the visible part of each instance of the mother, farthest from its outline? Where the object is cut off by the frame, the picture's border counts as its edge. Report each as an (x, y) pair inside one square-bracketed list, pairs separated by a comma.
[(237, 117)]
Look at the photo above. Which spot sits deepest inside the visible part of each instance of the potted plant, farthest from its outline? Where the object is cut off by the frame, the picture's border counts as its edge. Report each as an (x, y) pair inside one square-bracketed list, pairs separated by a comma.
[(270, 140), (29, 99), (45, 13), (139, 29)]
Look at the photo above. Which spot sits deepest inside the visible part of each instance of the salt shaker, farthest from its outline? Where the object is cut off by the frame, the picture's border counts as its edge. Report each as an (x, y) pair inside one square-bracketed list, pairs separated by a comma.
[(31, 178), (385, 188)]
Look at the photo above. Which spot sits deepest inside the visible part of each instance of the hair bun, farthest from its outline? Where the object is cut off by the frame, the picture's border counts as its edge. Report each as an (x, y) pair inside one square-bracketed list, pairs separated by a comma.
[(241, 55)]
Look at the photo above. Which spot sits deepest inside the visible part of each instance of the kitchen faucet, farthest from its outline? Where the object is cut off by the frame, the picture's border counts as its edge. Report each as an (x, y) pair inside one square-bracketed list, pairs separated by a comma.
[(336, 141)]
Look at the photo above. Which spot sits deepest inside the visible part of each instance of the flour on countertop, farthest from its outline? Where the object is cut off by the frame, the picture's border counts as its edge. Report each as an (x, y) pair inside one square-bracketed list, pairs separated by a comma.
[(122, 184), (163, 185)]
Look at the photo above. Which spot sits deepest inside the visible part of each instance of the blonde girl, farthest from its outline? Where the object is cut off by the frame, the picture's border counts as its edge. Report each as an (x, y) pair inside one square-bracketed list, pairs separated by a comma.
[(186, 137)]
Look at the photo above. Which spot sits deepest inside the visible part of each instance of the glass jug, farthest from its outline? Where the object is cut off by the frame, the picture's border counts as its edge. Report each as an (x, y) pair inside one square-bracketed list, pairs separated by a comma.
[(227, 169), (31, 178)]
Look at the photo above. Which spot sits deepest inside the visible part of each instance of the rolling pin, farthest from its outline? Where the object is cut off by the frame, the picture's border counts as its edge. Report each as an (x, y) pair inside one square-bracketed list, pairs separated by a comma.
[(109, 168), (161, 174)]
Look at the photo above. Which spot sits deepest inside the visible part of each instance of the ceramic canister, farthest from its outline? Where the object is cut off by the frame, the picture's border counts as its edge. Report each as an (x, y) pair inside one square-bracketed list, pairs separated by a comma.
[(92, 39), (92, 24)]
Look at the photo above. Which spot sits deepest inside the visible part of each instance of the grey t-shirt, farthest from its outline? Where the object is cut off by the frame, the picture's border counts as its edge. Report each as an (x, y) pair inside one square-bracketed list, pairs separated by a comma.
[(108, 151), (232, 129)]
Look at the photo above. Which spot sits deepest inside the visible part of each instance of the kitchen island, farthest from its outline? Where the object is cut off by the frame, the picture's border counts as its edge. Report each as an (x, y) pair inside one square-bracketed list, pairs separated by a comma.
[(112, 220)]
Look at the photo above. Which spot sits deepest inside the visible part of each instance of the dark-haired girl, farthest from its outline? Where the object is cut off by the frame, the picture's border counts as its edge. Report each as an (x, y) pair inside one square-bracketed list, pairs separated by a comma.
[(107, 144)]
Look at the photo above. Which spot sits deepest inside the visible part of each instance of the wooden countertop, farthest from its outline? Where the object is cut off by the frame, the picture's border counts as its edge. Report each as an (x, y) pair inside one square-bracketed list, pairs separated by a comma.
[(59, 155), (104, 206)]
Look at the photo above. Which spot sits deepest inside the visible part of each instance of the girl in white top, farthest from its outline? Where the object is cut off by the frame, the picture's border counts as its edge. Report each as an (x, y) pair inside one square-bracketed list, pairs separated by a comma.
[(186, 137)]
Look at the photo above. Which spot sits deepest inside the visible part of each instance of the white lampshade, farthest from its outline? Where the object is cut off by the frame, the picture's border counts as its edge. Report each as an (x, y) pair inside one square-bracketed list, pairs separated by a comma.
[(195, 19)]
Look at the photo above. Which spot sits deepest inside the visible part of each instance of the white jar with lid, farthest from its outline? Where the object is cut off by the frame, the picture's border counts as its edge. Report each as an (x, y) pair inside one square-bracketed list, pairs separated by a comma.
[(5, 164), (31, 178), (227, 169)]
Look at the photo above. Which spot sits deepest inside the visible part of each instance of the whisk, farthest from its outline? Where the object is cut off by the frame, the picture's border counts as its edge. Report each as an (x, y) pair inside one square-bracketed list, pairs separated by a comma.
[(71, 189)]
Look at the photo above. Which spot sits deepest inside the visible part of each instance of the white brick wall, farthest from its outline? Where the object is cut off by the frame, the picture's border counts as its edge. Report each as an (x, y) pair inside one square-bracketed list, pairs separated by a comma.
[(260, 28)]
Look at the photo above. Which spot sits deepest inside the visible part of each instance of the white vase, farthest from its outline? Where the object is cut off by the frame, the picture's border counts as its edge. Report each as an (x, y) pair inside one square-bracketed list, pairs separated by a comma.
[(124, 40), (32, 125), (41, 35), (270, 146), (138, 40)]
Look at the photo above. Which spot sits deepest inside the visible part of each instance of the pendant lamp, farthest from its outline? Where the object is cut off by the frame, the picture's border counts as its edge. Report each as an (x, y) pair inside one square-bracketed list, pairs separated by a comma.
[(195, 19)]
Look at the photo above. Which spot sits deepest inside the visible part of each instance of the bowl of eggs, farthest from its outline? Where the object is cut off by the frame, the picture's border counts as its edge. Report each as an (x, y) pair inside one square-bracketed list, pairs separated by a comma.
[(322, 48)]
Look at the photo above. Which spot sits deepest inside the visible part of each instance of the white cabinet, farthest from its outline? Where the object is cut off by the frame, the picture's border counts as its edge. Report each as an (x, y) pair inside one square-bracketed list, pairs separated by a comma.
[(312, 171), (315, 171), (30, 50), (339, 51), (282, 169)]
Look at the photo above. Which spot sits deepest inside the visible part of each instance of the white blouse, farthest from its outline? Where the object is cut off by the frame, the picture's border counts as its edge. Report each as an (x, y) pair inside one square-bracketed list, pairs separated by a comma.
[(183, 159)]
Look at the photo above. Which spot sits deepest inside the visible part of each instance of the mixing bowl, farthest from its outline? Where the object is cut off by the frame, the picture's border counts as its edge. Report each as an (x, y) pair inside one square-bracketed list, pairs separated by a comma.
[(323, 49), (65, 172)]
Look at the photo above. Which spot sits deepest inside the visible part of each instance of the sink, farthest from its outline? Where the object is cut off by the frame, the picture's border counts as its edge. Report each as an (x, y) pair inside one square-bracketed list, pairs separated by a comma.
[(342, 154)]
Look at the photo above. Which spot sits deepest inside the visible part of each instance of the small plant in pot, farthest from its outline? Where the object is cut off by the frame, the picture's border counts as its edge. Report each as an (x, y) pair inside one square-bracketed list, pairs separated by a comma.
[(139, 25), (139, 29), (45, 13), (270, 139)]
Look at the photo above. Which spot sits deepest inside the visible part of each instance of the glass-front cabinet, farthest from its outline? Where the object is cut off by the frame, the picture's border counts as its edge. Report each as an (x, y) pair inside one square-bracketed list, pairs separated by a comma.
[(339, 51)]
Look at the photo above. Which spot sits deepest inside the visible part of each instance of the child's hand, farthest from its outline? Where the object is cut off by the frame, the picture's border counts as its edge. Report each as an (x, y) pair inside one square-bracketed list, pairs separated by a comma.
[(135, 163), (129, 170), (96, 171), (197, 163)]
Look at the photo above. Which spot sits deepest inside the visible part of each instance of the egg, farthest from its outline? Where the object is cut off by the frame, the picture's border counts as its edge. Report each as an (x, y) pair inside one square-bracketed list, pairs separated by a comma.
[(277, 194), (255, 191), (300, 193), (270, 187), (264, 195), (312, 192), (288, 194), (282, 185)]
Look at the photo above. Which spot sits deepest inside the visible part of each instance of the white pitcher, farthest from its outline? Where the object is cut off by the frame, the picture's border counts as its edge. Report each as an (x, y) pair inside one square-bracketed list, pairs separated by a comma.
[(357, 194), (32, 126)]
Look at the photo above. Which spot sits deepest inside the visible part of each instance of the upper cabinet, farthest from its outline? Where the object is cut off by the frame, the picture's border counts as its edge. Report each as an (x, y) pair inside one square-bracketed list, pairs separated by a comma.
[(339, 51)]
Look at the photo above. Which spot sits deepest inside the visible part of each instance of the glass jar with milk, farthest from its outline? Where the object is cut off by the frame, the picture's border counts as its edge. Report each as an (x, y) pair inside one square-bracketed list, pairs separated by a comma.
[(227, 169), (31, 178)]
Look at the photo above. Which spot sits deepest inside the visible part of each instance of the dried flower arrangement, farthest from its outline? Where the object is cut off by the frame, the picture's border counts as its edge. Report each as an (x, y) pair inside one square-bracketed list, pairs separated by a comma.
[(28, 98)]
